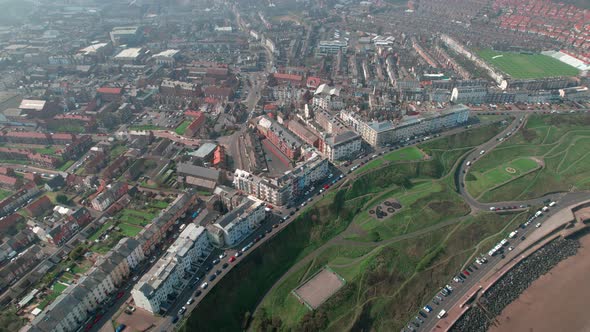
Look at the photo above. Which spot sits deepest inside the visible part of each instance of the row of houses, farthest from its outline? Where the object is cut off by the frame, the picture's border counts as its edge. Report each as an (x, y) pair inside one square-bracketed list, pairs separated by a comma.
[(78, 303)]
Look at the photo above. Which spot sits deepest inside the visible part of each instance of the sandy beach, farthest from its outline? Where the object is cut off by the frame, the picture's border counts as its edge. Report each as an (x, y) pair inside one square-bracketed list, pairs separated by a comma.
[(555, 302)]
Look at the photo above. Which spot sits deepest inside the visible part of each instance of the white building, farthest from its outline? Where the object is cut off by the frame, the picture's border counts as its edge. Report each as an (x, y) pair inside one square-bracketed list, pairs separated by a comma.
[(274, 191), (131, 250), (153, 289), (191, 247), (131, 55), (469, 94), (331, 46), (342, 146), (240, 222), (386, 132), (167, 57), (165, 277), (307, 173), (328, 98)]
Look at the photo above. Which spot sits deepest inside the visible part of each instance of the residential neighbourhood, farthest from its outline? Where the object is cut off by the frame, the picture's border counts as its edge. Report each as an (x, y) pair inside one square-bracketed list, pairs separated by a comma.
[(151, 151)]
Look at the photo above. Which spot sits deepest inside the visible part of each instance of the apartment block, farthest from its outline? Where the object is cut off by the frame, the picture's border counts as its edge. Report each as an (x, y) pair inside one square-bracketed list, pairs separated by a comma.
[(239, 223), (164, 279), (387, 132)]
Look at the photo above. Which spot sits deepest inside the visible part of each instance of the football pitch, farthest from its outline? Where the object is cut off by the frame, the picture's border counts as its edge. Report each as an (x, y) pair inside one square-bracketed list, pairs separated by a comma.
[(521, 66)]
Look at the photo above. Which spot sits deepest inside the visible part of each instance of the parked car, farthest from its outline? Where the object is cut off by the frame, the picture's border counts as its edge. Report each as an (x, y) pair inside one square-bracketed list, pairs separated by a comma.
[(181, 311)]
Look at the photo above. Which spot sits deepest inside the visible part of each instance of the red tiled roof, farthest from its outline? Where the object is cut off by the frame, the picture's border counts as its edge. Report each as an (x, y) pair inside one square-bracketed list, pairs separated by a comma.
[(288, 77), (64, 136), (8, 179), (5, 170), (28, 134), (110, 91)]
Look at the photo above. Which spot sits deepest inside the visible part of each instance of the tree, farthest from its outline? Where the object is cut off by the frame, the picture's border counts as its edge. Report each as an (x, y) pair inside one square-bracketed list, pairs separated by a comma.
[(375, 236), (62, 199), (77, 252)]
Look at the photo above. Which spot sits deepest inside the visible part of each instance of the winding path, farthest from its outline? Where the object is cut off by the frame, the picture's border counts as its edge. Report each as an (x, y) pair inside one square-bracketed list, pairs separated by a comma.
[(459, 175)]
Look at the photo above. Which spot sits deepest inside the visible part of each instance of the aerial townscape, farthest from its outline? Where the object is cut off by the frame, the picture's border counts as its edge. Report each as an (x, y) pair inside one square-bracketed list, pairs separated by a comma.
[(294, 165)]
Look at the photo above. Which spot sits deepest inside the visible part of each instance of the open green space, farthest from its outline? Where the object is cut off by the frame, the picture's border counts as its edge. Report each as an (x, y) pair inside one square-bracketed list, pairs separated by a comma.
[(66, 165), (129, 230), (410, 153), (182, 127), (118, 150), (393, 265), (4, 194), (478, 182), (135, 217), (55, 291), (522, 66), (559, 142), (100, 231), (387, 276), (50, 150)]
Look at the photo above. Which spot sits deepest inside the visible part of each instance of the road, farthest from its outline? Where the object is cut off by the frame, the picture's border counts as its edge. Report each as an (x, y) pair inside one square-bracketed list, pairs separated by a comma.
[(495, 263), (166, 324)]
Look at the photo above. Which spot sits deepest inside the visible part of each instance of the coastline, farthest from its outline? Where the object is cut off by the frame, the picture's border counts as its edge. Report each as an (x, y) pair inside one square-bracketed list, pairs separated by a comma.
[(554, 302)]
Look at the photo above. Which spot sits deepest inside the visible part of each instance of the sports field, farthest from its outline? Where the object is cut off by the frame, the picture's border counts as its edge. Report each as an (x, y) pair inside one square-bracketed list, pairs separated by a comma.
[(519, 65)]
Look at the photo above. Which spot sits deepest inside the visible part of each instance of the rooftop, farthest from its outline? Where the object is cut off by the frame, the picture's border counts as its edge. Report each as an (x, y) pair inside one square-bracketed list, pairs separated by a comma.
[(198, 171), (30, 104), (166, 54), (129, 53), (248, 205), (204, 150)]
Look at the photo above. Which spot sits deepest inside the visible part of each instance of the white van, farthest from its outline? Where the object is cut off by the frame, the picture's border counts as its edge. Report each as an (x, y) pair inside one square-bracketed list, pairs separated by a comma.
[(441, 314), (552, 204), (468, 163)]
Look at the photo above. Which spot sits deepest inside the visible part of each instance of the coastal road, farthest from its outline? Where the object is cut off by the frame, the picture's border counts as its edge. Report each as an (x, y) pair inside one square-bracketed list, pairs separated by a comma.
[(167, 324), (519, 244)]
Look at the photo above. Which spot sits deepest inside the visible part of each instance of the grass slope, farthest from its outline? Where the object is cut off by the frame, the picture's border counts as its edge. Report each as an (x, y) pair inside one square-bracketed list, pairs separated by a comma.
[(368, 266), (559, 141), (521, 66)]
